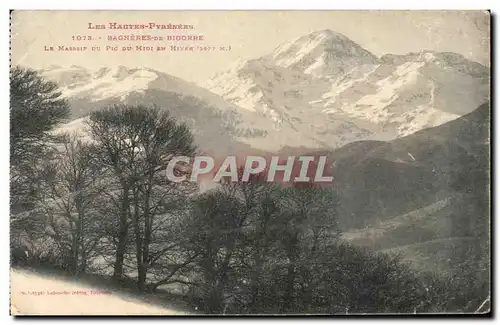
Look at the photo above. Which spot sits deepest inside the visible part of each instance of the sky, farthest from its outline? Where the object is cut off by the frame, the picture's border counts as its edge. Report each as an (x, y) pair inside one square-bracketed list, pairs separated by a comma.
[(250, 34)]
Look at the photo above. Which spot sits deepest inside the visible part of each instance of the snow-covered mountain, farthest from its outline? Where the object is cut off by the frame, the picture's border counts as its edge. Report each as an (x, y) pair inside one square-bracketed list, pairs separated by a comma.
[(218, 125), (324, 77), (321, 90), (322, 53)]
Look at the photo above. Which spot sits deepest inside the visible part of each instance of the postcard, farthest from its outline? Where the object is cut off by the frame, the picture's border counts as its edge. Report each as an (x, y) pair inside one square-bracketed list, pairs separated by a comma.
[(250, 162)]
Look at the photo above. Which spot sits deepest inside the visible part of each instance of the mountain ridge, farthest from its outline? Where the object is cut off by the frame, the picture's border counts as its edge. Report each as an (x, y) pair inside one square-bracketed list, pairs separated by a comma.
[(278, 100), (391, 96)]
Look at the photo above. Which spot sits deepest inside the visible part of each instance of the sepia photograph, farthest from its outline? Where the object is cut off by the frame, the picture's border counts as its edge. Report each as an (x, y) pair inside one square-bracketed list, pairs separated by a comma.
[(272, 162)]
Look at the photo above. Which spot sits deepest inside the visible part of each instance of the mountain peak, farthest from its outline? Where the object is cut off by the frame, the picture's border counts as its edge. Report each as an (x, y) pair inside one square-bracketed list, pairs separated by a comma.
[(328, 35), (322, 53)]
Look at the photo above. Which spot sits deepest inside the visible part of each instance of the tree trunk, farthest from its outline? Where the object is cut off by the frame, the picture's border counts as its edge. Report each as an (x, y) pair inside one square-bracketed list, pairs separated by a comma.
[(120, 253), (73, 263), (147, 238), (140, 244), (78, 235), (122, 237), (83, 263), (141, 278), (141, 270), (71, 259), (143, 242)]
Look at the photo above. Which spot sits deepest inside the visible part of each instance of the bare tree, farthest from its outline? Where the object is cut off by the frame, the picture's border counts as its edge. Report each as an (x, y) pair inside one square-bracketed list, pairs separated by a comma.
[(70, 202), (136, 144)]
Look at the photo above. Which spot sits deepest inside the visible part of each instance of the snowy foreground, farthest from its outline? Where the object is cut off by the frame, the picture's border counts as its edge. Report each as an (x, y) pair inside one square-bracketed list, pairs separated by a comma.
[(32, 294)]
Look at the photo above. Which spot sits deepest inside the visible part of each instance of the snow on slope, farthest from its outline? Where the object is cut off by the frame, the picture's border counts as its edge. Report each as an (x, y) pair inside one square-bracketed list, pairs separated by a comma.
[(323, 78), (75, 126), (321, 90), (217, 124), (115, 82), (322, 53), (37, 299), (412, 92)]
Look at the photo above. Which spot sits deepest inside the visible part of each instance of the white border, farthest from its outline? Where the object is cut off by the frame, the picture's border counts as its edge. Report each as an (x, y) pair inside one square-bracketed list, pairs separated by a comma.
[(256, 4), (190, 5)]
